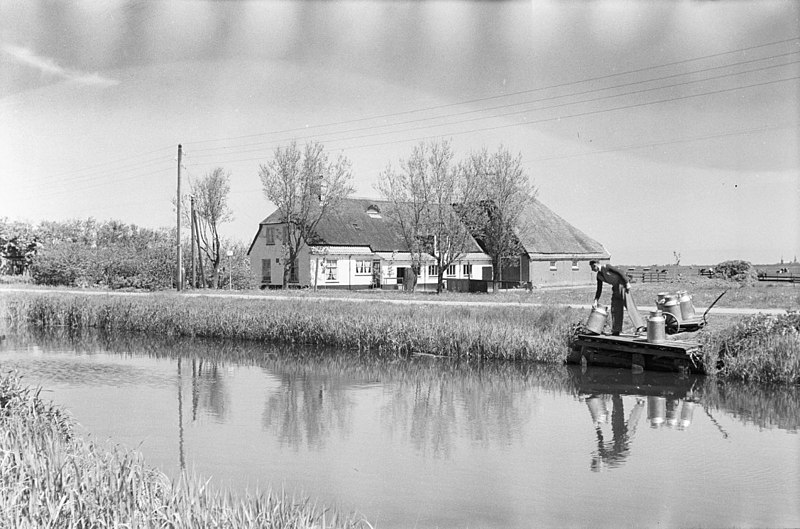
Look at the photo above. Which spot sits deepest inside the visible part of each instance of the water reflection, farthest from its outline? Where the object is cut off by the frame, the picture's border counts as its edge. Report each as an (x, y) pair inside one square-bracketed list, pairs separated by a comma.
[(309, 405), (314, 383), (669, 401), (430, 436)]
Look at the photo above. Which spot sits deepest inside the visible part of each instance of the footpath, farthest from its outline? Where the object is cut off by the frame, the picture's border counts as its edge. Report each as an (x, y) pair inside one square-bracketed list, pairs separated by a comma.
[(276, 297)]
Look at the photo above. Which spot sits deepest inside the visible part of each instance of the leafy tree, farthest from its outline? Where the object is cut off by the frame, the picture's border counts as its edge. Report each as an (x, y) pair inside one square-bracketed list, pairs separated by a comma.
[(303, 185), (18, 246)]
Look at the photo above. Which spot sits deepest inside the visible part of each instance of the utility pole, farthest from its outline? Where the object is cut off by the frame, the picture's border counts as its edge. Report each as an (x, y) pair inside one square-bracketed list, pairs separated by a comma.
[(178, 234), (194, 270)]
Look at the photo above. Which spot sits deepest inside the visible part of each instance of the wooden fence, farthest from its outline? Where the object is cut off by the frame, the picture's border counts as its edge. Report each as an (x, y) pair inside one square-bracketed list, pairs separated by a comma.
[(648, 276), (784, 278)]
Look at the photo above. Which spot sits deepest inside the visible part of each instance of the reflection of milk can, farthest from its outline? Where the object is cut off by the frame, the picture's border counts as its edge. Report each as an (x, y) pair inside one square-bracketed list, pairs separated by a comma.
[(672, 412), (656, 410), (686, 415), (597, 319), (655, 327), (687, 308)]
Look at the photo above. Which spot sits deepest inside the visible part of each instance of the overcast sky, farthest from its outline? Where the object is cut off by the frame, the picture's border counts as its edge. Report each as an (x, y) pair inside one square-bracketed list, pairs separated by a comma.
[(654, 127)]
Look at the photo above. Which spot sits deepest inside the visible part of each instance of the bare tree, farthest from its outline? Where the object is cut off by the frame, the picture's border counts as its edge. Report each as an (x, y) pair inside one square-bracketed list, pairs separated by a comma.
[(303, 186), (211, 209), (423, 194), (506, 192)]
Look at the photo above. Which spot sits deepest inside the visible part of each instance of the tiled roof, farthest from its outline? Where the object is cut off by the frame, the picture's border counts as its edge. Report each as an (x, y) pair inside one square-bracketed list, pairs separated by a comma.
[(351, 225)]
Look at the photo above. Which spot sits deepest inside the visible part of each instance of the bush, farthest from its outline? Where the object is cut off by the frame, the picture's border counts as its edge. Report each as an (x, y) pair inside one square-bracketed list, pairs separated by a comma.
[(115, 266)]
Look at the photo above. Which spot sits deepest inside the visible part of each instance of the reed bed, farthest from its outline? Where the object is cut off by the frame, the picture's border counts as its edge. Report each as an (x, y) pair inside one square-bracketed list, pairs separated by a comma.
[(513, 332), (51, 478), (759, 348)]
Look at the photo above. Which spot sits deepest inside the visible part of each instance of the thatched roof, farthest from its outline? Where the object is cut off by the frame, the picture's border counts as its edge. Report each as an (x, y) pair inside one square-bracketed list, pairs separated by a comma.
[(547, 234)]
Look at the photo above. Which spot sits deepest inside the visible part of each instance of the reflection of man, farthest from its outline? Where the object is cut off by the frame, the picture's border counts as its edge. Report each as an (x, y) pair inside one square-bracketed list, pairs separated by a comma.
[(619, 288), (615, 452)]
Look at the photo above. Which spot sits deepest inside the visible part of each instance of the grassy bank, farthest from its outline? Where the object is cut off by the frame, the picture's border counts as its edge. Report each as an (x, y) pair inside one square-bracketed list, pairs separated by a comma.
[(512, 332), (52, 478), (755, 348)]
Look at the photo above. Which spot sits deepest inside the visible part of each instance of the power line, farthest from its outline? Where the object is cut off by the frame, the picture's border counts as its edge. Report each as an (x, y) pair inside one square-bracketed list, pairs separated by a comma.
[(511, 94), (509, 105), (556, 118)]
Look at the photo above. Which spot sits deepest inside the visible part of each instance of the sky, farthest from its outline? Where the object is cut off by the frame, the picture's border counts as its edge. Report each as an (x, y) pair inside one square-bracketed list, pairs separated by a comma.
[(662, 129)]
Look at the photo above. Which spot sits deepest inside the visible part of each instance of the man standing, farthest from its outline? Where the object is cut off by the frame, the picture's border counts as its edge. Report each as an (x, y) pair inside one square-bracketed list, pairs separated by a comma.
[(620, 296)]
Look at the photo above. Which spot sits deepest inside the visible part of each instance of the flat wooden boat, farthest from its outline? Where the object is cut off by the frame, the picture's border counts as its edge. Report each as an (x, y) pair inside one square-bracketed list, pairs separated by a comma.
[(636, 352)]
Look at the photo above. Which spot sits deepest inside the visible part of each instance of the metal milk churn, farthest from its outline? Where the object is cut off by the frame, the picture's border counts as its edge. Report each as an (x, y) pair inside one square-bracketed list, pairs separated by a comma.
[(687, 308), (662, 297), (656, 327), (597, 319), (672, 306)]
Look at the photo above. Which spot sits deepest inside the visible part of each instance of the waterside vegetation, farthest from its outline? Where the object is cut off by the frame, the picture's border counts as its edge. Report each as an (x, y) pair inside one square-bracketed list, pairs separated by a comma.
[(50, 477), (762, 348)]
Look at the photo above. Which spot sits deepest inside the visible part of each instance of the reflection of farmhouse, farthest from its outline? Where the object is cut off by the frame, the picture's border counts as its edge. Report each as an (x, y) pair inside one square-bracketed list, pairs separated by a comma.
[(359, 246)]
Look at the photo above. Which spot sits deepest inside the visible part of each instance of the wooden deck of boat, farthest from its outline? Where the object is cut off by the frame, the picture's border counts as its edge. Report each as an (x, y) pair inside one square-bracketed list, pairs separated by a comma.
[(636, 352)]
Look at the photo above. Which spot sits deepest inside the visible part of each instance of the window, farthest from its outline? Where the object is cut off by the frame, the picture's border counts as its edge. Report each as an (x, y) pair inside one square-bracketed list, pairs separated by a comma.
[(575, 264), (363, 267), (331, 270), (293, 272), (451, 270), (433, 270), (467, 270), (374, 212), (269, 235), (553, 267), (266, 271)]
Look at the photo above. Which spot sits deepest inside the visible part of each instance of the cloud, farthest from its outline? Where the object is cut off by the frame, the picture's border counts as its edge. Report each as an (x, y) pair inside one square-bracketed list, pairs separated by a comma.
[(51, 67)]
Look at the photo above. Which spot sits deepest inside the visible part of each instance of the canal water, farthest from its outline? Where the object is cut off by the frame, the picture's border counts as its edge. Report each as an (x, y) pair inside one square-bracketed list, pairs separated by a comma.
[(427, 442)]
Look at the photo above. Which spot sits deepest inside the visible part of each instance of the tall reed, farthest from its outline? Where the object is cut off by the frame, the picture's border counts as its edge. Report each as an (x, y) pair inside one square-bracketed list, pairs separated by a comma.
[(513, 332), (758, 348)]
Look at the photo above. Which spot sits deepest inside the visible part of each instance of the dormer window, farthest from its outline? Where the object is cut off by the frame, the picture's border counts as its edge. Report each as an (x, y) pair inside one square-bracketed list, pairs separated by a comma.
[(374, 212)]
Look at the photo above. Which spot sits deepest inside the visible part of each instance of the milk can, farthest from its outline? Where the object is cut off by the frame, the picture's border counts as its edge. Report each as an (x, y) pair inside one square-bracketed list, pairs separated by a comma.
[(597, 319), (672, 306), (662, 297), (656, 327), (687, 308)]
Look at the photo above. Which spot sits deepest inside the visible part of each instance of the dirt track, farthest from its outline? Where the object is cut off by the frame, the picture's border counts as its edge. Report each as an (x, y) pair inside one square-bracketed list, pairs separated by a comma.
[(277, 297)]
